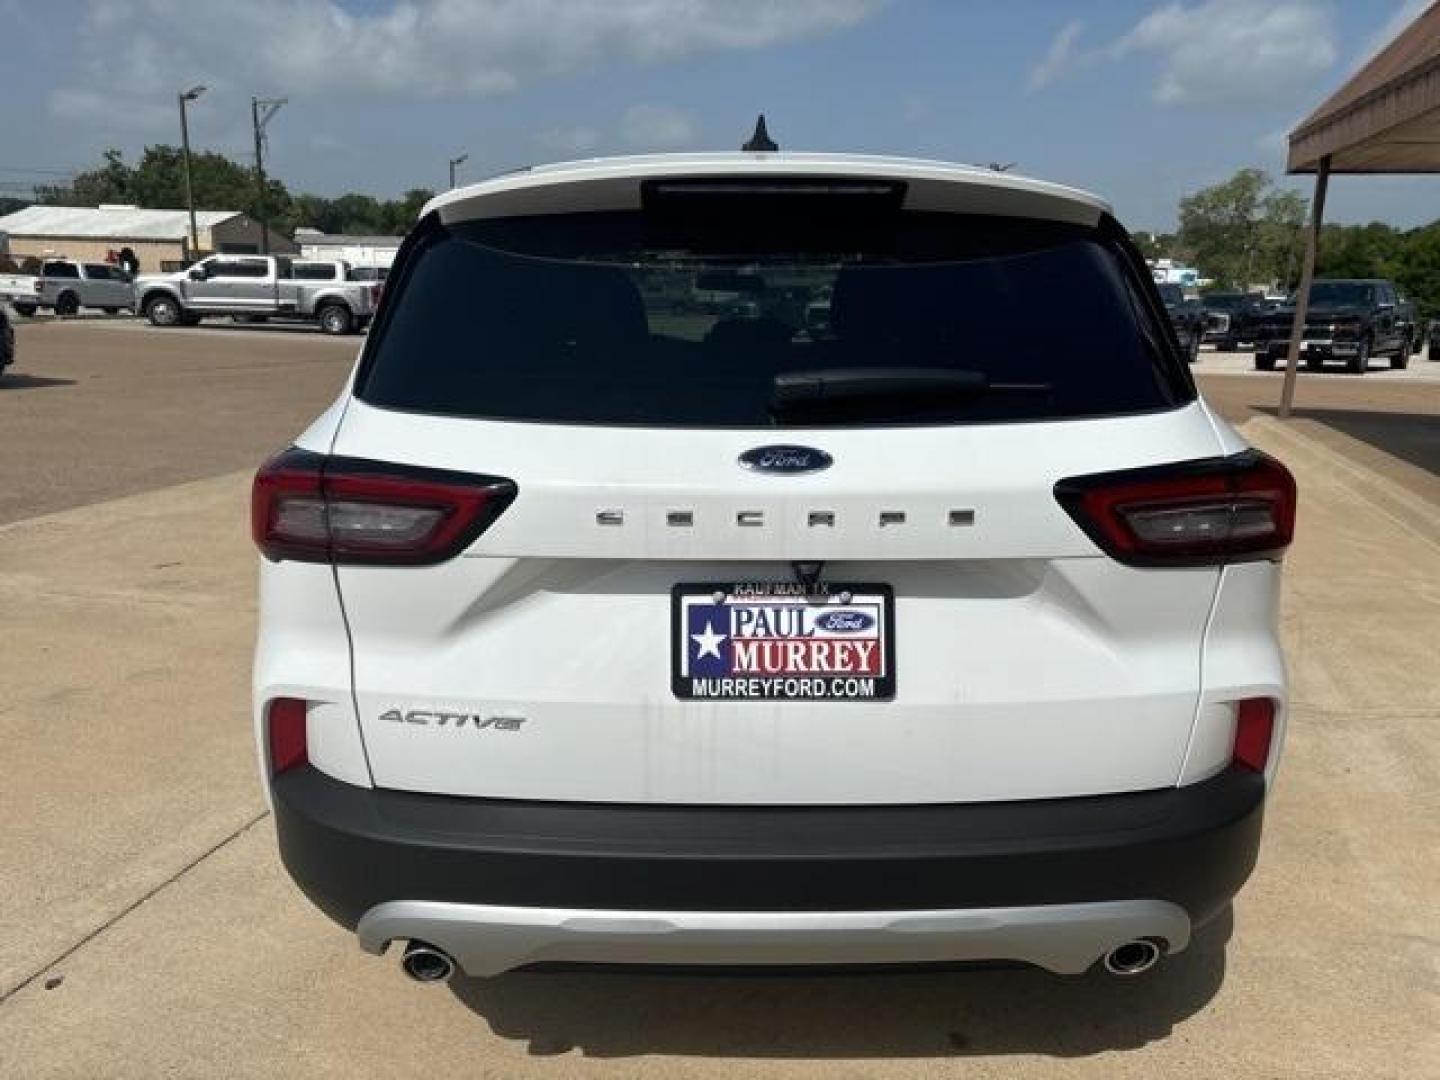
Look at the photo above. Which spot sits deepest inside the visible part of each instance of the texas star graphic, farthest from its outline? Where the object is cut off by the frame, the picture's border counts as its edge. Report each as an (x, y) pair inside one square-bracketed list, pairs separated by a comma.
[(709, 642)]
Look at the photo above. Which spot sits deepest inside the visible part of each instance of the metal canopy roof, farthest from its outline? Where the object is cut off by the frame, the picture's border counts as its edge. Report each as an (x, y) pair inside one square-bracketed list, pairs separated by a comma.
[(108, 223), (1386, 119)]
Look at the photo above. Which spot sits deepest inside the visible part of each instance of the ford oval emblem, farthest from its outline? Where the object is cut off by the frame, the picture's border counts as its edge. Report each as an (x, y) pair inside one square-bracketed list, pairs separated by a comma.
[(844, 622), (786, 459)]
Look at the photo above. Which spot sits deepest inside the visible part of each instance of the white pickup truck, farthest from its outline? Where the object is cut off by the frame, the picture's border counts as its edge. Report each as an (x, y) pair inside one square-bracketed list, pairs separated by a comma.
[(63, 285), (259, 287)]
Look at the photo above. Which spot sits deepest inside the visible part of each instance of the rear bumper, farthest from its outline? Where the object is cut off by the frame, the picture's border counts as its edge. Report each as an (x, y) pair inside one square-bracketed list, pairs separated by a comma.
[(532, 880), (488, 940)]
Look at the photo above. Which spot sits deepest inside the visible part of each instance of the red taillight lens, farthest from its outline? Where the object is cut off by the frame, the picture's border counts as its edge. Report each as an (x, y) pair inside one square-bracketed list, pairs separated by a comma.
[(312, 508), (286, 717), (1193, 513), (1254, 729)]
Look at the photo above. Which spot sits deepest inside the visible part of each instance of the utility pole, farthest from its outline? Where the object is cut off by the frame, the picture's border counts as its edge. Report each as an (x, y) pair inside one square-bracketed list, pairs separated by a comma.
[(456, 163), (188, 96), (262, 111)]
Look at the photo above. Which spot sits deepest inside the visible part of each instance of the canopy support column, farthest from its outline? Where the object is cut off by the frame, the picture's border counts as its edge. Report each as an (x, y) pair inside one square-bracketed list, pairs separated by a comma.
[(1302, 294)]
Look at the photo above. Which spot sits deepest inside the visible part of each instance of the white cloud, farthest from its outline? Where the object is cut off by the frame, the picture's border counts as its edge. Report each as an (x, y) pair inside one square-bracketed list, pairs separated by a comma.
[(1214, 52), (1232, 50), (657, 127), (411, 48), (1058, 58), (569, 140)]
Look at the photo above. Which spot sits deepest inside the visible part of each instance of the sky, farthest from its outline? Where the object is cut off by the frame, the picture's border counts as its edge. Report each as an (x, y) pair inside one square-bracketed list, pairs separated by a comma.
[(1138, 101)]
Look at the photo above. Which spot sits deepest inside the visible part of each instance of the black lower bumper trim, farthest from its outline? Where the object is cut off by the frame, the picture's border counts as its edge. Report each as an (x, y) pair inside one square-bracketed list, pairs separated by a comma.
[(351, 848)]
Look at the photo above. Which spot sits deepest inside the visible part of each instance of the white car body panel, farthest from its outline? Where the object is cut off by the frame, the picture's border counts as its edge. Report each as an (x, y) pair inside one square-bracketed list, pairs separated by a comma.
[(1029, 664), (614, 184)]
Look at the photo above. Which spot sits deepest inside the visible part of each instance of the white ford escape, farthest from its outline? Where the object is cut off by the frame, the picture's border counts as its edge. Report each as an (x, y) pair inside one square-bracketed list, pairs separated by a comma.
[(766, 559)]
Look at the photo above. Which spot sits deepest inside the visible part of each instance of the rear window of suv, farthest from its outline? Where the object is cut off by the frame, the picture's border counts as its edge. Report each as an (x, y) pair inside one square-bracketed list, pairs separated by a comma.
[(903, 318)]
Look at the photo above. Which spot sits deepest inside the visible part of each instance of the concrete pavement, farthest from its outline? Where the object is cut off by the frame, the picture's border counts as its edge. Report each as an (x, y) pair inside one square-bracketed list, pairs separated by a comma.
[(146, 928)]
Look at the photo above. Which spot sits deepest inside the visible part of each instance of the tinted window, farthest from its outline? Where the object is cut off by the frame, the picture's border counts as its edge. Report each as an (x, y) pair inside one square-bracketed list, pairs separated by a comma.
[(314, 272), (1173, 295), (60, 270), (614, 319), (1341, 292), (246, 268), (1225, 301)]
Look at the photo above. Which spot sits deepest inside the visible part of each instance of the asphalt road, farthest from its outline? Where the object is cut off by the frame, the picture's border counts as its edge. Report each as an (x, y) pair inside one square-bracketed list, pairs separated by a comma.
[(94, 409), (146, 928)]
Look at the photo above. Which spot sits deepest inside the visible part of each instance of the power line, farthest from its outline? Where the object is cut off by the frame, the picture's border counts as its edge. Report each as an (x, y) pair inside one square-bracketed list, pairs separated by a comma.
[(37, 171)]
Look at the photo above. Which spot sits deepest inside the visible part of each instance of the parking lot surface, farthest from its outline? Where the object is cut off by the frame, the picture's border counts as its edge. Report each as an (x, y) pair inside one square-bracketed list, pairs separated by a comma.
[(146, 927)]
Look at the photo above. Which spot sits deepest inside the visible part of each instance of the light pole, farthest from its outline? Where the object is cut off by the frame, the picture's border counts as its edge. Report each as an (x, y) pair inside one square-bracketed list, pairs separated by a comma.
[(262, 111), (188, 96), (456, 163)]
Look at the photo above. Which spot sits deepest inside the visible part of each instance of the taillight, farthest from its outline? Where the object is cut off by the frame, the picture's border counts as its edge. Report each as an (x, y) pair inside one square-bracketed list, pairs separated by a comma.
[(312, 508), (286, 722), (1193, 513), (1254, 730)]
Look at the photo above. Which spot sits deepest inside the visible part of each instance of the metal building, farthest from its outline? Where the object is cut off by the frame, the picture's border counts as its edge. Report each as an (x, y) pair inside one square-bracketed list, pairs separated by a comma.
[(159, 238)]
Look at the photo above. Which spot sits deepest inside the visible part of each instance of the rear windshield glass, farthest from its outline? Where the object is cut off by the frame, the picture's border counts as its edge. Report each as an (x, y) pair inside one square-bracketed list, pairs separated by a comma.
[(1341, 292), (911, 318)]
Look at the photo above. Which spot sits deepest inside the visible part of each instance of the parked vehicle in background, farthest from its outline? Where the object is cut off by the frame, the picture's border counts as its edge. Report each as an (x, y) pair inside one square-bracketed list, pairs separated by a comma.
[(7, 340), (1232, 319), (1434, 339), (63, 285), (1407, 323), (609, 619), (259, 287), (1349, 319), (1187, 317)]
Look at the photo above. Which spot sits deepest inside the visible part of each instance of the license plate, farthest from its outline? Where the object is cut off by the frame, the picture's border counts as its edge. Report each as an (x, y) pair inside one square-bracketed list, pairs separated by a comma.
[(773, 641)]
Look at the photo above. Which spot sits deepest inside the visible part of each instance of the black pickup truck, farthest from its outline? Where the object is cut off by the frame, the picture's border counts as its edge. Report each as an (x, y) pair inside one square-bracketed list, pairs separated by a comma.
[(1351, 320), (1232, 318), (1187, 318), (7, 341)]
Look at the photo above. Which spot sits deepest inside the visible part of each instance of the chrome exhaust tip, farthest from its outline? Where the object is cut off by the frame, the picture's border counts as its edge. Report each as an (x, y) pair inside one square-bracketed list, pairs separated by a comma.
[(425, 963), (1133, 958)]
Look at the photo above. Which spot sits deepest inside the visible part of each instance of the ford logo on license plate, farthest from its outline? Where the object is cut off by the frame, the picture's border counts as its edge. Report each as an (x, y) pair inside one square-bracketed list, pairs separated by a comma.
[(786, 459), (844, 622)]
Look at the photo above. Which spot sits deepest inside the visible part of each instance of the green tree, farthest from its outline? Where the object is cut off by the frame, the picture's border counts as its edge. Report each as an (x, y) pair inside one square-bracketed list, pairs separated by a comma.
[(1244, 230), (112, 182), (1416, 267), (1155, 245), (157, 181), (1221, 225), (405, 211), (1282, 236)]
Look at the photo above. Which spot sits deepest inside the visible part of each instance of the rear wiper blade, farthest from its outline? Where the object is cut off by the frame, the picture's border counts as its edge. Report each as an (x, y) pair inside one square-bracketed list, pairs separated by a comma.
[(807, 391)]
